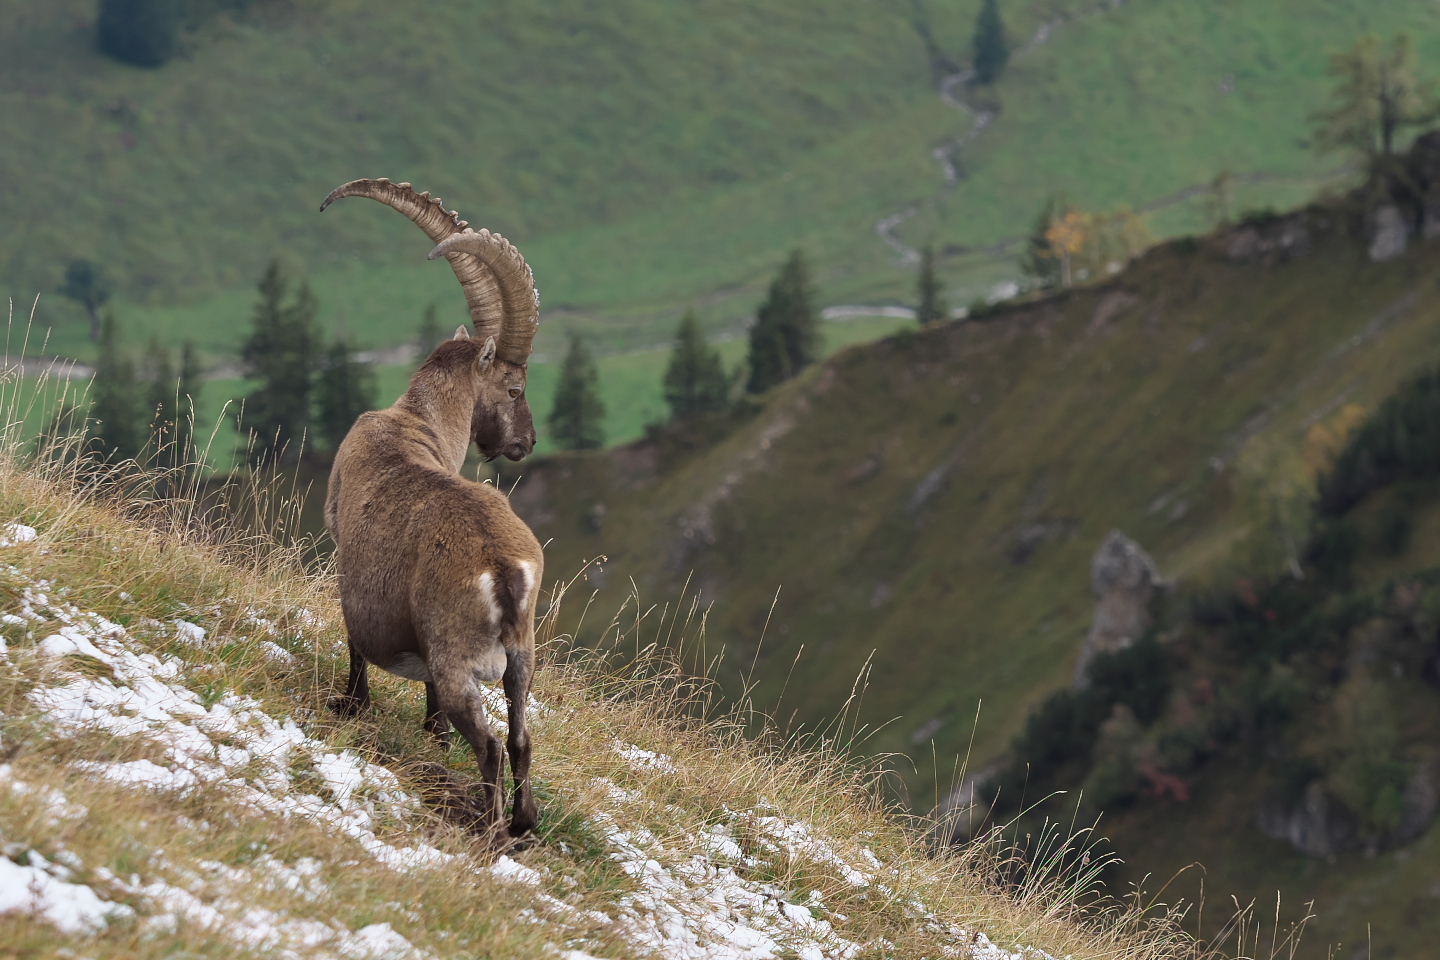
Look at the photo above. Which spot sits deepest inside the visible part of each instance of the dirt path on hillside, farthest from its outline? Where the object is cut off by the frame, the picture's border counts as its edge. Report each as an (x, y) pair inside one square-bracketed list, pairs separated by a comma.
[(947, 155), (951, 91)]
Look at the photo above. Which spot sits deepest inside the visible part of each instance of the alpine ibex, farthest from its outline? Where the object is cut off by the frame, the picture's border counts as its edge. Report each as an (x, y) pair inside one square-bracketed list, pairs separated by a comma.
[(438, 576)]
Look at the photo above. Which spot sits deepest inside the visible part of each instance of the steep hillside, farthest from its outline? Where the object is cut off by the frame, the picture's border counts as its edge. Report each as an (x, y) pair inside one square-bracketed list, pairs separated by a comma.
[(921, 513), (647, 157), (172, 784)]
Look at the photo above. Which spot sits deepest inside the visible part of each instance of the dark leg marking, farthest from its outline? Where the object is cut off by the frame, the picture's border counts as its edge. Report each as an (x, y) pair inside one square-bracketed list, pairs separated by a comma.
[(436, 723), (357, 690), (518, 669)]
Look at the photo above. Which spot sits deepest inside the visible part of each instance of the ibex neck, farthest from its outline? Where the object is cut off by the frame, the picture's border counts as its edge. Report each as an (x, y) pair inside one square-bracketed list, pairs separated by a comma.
[(446, 418)]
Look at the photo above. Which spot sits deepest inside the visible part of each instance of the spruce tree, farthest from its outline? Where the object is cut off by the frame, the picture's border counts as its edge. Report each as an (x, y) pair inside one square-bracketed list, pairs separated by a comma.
[(159, 393), (991, 50), (161, 385), (695, 380), (85, 284), (786, 336), (115, 401), (344, 389), (1377, 94), (142, 32), (188, 392), (428, 334), (930, 308), (577, 419), (281, 353), (1040, 259), (169, 397)]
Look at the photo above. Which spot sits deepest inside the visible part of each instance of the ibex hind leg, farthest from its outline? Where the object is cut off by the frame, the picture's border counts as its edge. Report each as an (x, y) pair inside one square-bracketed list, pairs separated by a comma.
[(519, 667), (459, 699), (357, 689), (436, 723)]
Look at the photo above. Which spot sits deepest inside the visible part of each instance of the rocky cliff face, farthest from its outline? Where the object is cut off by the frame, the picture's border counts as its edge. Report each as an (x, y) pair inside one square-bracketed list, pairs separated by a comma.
[(1124, 579), (1320, 825)]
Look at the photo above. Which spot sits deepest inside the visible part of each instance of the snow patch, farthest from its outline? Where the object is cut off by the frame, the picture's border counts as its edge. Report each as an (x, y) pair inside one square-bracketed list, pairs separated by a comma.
[(275, 653), (190, 634), (258, 928), (69, 907), (692, 897), (644, 760), (17, 533)]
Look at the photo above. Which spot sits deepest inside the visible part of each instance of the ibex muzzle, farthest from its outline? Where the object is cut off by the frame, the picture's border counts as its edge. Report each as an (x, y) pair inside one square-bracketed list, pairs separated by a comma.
[(439, 579)]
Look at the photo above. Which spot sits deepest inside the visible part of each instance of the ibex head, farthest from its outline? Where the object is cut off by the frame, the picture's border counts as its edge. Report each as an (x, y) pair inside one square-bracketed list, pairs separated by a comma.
[(501, 424), (504, 309)]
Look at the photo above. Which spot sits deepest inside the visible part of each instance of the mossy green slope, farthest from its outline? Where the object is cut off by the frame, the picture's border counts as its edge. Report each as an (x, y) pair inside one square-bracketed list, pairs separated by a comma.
[(926, 507)]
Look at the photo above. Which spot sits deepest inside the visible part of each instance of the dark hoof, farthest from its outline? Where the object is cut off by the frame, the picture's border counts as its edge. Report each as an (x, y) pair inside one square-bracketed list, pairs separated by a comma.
[(514, 844), (450, 797), (439, 730), (346, 706)]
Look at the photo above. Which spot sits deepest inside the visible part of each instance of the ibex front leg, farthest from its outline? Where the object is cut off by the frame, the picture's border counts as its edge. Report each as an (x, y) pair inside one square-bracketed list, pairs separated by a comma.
[(520, 664), (436, 724), (357, 690)]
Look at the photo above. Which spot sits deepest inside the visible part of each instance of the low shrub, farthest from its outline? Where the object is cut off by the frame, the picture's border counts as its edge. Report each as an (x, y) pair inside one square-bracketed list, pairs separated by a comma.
[(140, 32), (1401, 441)]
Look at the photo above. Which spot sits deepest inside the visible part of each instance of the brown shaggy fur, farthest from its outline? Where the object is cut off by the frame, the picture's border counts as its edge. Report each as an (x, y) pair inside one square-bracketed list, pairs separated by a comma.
[(438, 577)]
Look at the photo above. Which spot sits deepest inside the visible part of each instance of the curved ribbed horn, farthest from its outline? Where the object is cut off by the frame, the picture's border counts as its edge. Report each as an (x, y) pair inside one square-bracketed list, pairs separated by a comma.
[(516, 282), (482, 293)]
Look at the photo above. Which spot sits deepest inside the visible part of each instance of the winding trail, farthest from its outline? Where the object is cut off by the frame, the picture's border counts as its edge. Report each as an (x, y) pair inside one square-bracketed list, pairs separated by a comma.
[(947, 154)]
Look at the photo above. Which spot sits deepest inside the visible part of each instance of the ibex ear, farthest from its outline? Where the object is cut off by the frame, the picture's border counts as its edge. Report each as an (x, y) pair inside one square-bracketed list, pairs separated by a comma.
[(487, 354), (461, 333)]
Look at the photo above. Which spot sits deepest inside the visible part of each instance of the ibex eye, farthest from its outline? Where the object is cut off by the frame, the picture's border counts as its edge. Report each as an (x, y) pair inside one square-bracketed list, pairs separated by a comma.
[(515, 392)]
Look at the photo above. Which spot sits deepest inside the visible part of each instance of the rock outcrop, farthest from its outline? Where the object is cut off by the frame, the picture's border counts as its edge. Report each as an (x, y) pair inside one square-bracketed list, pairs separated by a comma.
[(1319, 825), (1389, 233), (1271, 240), (1124, 579)]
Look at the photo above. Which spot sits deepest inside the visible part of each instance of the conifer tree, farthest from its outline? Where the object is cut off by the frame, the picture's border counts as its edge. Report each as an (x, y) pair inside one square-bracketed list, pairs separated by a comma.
[(992, 52), (1377, 93), (142, 32), (577, 419), (428, 334), (930, 308), (344, 389), (169, 402), (85, 284), (786, 336), (158, 391), (188, 392), (115, 401), (281, 353), (1040, 259), (695, 380)]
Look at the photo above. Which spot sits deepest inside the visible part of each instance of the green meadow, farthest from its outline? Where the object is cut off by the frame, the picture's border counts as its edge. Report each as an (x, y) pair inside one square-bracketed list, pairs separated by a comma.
[(647, 158)]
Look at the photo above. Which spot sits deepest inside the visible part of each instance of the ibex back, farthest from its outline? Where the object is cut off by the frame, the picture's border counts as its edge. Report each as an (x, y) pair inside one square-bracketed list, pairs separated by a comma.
[(439, 578)]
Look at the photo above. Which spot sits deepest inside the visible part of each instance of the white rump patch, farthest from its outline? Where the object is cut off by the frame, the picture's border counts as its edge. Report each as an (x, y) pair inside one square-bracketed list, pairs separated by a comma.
[(527, 569), (486, 583)]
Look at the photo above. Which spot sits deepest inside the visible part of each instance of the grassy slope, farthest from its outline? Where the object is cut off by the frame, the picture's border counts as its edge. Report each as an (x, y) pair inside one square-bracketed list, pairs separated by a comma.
[(217, 846), (649, 159), (1108, 407)]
